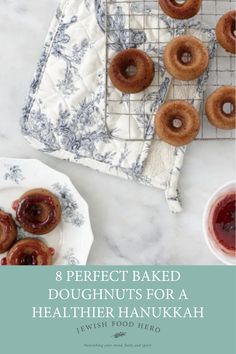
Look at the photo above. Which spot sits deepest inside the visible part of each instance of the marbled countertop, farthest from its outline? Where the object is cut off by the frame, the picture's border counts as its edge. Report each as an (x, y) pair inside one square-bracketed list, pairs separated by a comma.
[(131, 223)]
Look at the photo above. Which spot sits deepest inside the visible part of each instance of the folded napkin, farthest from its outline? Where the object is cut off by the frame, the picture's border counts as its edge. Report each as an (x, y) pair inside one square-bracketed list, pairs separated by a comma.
[(64, 115)]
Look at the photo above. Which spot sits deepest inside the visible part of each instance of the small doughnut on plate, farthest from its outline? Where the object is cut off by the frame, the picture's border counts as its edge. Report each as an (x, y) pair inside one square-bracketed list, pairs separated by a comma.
[(72, 238), (30, 251), (186, 57), (177, 122), (225, 31), (177, 10), (38, 211), (127, 80), (215, 108), (8, 231)]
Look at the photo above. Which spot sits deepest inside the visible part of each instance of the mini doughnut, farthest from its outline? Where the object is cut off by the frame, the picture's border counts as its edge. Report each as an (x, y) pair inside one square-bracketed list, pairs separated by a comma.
[(38, 211), (225, 31), (175, 53), (180, 11), (8, 231), (140, 79), (177, 122), (29, 251), (215, 108)]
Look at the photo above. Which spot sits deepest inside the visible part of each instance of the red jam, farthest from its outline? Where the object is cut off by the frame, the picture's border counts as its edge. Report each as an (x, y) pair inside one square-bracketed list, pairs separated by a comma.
[(4, 261), (52, 251), (28, 259), (15, 204), (223, 222)]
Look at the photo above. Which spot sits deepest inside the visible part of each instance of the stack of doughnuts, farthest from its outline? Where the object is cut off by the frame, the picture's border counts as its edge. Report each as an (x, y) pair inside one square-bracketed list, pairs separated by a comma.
[(38, 212)]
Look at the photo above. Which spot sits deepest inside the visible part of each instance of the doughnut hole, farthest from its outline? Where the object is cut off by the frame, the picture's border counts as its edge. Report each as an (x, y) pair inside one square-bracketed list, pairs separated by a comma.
[(233, 28), (185, 56), (28, 258), (131, 71), (178, 2), (36, 213), (228, 108), (175, 123), (129, 68)]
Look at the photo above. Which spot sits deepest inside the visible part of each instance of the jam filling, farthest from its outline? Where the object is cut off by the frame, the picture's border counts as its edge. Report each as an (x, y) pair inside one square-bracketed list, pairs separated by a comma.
[(4, 261), (28, 259), (52, 251), (224, 221)]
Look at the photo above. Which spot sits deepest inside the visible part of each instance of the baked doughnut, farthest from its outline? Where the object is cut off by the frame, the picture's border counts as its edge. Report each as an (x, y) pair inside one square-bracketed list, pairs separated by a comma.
[(38, 211), (225, 31), (177, 122), (134, 82), (29, 251), (186, 58), (187, 9), (215, 108), (8, 231)]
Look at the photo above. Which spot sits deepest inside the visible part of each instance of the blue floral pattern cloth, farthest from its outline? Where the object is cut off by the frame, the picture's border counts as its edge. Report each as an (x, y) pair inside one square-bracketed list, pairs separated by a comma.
[(65, 111)]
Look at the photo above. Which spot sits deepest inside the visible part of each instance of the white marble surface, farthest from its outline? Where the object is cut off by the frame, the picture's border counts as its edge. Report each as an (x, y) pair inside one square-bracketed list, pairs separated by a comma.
[(131, 223)]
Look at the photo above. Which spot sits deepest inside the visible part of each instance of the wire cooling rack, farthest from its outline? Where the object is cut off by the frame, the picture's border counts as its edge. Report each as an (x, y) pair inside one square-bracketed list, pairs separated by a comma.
[(133, 112)]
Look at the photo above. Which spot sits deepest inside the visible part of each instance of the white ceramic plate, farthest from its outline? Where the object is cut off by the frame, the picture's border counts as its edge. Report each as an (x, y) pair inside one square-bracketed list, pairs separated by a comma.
[(73, 237)]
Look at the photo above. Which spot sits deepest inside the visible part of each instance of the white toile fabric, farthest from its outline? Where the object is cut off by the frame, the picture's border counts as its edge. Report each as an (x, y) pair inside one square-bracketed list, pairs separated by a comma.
[(65, 112)]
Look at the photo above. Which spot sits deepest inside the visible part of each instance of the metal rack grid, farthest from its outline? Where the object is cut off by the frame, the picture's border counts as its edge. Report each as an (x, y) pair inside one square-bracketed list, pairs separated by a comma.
[(221, 72)]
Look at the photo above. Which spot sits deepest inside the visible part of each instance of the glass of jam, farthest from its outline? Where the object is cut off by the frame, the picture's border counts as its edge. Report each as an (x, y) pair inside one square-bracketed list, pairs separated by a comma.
[(219, 223)]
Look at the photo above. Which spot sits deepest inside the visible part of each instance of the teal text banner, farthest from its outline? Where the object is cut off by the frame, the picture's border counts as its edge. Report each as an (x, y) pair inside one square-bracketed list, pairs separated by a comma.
[(90, 310)]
